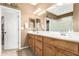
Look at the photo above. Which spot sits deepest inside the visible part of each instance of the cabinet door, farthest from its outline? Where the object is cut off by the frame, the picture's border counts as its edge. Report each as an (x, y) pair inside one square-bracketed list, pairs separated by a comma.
[(61, 52), (39, 37), (38, 47), (38, 44), (49, 50), (28, 39), (31, 42), (38, 51)]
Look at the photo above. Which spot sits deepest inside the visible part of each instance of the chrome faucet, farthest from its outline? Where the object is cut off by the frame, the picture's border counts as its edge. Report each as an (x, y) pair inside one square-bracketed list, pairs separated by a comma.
[(63, 33)]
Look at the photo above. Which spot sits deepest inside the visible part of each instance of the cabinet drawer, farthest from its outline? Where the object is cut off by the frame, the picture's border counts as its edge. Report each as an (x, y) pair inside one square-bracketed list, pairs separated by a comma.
[(47, 40), (38, 51), (38, 37), (70, 46), (38, 44), (31, 36), (61, 52)]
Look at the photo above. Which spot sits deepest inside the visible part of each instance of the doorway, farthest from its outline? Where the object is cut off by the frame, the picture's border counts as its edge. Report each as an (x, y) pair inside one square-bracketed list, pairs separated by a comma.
[(48, 24), (10, 29)]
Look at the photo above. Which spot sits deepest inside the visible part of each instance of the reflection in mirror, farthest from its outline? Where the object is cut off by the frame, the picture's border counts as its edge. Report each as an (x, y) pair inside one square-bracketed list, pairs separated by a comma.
[(60, 18), (34, 25), (31, 24), (38, 25), (62, 25)]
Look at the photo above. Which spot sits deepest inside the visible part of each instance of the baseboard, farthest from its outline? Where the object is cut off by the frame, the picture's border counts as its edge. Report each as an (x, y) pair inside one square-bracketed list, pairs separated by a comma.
[(24, 47)]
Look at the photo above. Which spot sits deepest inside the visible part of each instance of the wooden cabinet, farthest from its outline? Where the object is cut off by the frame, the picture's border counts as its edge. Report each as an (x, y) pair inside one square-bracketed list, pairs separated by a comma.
[(46, 46), (61, 52), (73, 47), (49, 50), (38, 45), (31, 41), (38, 51), (38, 48)]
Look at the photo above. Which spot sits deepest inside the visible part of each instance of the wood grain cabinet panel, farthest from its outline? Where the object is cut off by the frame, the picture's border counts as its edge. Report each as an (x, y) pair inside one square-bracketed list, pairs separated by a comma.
[(46, 46), (38, 43), (68, 45), (38, 51), (31, 41), (49, 50), (61, 52), (38, 46), (39, 37)]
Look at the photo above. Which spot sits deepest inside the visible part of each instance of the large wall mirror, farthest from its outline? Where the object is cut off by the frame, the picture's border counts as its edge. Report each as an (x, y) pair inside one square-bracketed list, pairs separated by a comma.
[(31, 24), (61, 18), (34, 24), (63, 24)]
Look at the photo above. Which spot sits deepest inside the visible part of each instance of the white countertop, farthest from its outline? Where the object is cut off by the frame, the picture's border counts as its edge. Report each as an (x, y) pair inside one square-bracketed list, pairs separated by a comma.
[(71, 36)]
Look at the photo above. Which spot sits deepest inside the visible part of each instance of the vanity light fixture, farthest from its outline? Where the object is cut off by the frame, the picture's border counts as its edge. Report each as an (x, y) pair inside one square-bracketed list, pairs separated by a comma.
[(33, 3), (38, 10), (42, 12), (59, 4)]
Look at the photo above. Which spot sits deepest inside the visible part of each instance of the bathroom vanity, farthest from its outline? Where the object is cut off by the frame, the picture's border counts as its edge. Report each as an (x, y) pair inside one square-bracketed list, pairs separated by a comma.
[(43, 44)]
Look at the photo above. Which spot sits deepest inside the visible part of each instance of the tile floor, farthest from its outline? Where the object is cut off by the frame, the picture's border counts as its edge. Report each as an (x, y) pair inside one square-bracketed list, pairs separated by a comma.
[(24, 52), (9, 53)]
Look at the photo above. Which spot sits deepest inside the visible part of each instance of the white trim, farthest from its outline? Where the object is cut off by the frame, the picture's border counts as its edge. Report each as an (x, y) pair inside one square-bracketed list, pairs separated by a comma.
[(24, 47), (19, 29), (19, 45), (9, 8), (0, 34)]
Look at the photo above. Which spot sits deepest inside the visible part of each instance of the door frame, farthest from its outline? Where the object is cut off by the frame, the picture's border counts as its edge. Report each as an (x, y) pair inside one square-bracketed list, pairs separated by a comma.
[(49, 23), (19, 17)]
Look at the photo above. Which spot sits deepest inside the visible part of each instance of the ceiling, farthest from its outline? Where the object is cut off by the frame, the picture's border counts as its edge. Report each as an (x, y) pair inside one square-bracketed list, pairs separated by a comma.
[(28, 8), (60, 10)]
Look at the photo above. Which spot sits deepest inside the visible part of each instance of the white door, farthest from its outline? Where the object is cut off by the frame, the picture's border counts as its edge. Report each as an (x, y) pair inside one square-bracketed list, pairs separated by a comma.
[(11, 33)]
